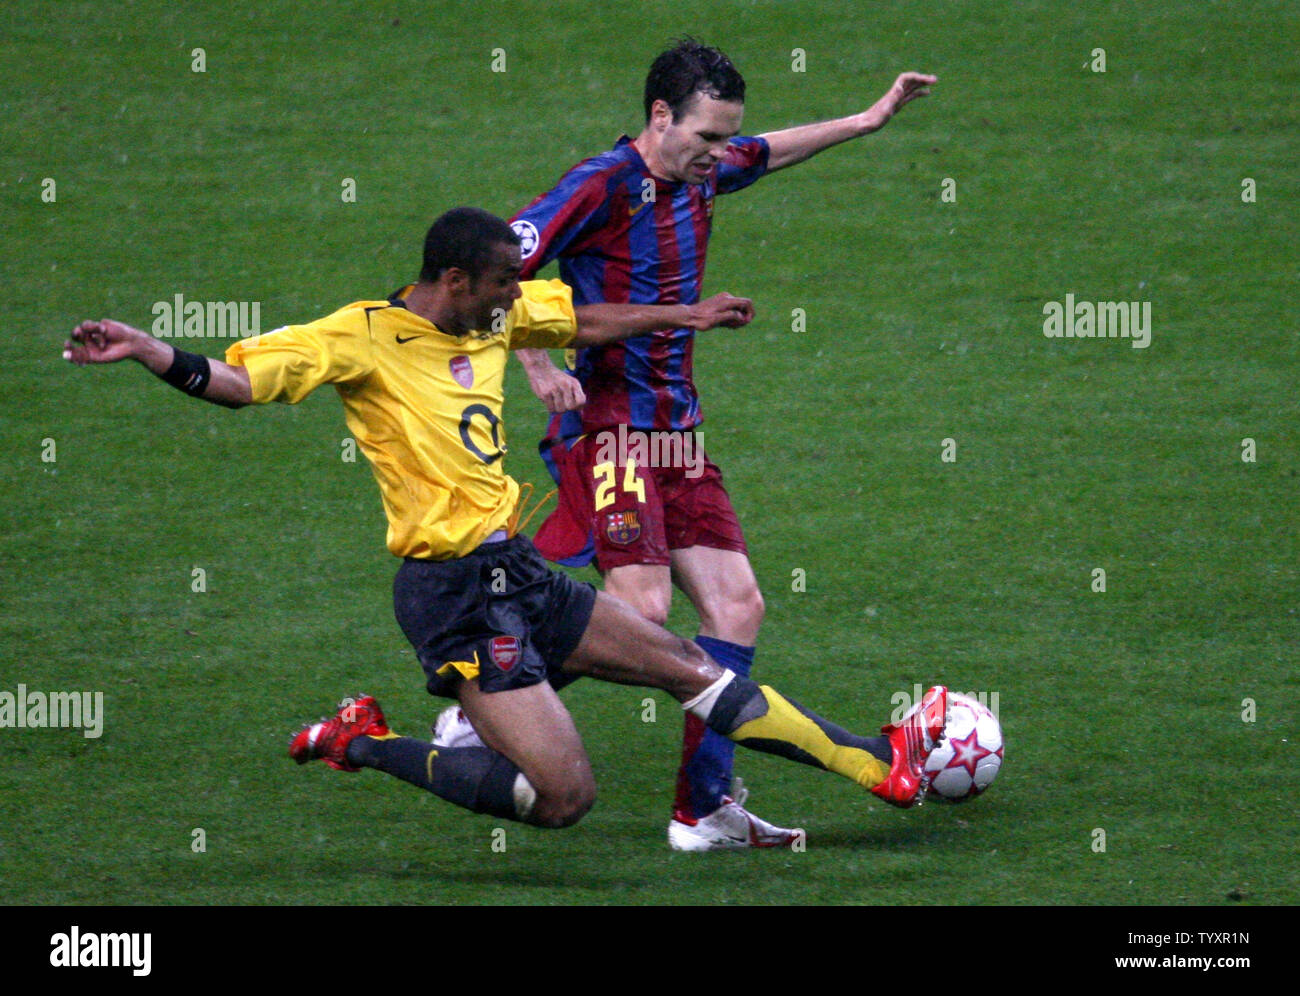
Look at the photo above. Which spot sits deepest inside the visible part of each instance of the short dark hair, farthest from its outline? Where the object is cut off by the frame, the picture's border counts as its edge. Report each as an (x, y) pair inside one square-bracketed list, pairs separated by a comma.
[(464, 238), (688, 68)]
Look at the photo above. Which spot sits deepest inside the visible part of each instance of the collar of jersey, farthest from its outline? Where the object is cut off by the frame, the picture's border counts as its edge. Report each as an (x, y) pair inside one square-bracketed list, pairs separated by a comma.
[(630, 150), (397, 299)]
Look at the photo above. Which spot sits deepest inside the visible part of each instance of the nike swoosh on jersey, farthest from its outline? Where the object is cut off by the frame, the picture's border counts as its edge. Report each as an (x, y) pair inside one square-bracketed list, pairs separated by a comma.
[(408, 338)]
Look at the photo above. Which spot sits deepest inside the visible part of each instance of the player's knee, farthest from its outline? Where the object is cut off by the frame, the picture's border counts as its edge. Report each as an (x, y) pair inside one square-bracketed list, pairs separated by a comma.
[(657, 613), (652, 605), (755, 607), (564, 808), (736, 613)]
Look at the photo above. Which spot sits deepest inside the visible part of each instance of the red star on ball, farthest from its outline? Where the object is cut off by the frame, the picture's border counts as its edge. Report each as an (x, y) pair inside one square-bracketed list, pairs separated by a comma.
[(966, 752)]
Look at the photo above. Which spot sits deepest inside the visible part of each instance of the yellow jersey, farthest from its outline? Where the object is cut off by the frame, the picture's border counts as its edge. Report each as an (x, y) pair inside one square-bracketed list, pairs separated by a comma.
[(424, 406)]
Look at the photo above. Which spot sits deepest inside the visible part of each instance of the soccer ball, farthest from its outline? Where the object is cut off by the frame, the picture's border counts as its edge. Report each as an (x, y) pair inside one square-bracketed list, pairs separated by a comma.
[(967, 761)]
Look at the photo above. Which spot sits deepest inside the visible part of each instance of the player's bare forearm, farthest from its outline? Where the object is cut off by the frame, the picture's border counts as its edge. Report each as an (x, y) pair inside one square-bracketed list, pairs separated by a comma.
[(794, 145), (230, 386), (535, 361), (603, 323), (107, 341)]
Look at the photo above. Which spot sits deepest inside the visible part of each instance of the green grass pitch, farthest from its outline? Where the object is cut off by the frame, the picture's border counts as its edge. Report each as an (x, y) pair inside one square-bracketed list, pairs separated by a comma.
[(1161, 711)]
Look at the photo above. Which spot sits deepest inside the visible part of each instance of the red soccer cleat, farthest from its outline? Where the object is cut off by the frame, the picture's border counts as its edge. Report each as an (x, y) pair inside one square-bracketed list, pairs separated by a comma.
[(912, 739), (328, 740)]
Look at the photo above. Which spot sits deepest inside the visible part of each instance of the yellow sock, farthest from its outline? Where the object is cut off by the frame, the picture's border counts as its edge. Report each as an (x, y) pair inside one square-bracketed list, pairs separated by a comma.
[(786, 731)]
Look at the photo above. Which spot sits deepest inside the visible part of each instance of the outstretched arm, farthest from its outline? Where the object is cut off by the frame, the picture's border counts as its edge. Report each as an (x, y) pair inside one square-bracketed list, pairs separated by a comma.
[(794, 145), (602, 323), (107, 341)]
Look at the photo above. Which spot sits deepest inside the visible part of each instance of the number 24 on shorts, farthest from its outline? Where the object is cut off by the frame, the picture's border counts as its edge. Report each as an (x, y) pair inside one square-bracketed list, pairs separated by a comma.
[(606, 474)]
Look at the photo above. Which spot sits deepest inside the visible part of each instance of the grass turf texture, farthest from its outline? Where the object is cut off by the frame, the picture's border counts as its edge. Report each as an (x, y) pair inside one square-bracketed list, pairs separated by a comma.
[(1122, 710)]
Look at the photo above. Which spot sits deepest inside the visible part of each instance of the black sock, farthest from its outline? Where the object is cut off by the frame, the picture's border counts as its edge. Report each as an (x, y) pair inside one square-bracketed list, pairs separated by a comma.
[(476, 778)]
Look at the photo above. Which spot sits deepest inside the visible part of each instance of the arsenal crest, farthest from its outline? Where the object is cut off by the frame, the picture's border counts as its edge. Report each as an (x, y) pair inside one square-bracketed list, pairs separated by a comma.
[(504, 651), (622, 527), (463, 371)]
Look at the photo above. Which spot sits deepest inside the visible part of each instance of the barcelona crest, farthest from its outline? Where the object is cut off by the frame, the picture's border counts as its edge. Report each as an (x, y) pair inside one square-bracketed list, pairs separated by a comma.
[(622, 527)]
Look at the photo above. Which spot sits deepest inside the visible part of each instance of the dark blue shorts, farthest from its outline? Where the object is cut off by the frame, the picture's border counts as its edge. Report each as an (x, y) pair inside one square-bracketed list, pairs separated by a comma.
[(500, 615)]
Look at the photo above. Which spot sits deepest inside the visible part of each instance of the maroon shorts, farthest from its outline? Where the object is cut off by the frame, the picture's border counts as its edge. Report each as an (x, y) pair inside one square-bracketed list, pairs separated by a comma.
[(631, 503)]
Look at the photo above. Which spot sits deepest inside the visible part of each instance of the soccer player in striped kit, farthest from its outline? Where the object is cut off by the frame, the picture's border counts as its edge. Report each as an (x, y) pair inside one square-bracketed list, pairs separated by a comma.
[(632, 226)]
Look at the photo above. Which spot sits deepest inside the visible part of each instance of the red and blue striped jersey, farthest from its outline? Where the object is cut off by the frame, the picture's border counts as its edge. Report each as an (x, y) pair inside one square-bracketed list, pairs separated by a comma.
[(624, 236)]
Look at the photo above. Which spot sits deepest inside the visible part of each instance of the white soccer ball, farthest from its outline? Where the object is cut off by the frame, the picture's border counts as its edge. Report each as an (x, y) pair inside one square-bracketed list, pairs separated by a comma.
[(967, 761)]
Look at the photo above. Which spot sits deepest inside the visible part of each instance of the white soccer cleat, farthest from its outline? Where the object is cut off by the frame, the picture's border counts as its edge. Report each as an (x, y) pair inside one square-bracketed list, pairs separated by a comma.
[(729, 827), (453, 729)]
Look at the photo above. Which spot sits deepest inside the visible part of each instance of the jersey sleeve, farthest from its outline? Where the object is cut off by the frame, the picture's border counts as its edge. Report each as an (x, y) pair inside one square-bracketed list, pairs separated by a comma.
[(288, 364), (745, 162), (559, 218), (544, 317)]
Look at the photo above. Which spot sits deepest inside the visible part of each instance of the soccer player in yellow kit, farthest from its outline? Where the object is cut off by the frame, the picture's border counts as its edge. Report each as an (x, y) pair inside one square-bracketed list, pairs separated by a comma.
[(421, 377)]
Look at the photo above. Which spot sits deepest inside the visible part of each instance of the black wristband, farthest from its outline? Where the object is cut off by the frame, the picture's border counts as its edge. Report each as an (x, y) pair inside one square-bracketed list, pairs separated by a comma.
[(189, 372)]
